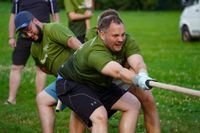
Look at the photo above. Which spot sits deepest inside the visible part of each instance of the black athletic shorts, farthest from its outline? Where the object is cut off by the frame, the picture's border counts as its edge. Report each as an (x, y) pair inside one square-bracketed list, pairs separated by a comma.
[(21, 52), (83, 100)]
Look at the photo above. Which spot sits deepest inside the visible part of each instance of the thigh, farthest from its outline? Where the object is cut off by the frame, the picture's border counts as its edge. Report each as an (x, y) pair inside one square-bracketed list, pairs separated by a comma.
[(126, 102), (45, 99), (21, 52), (110, 96), (81, 99), (143, 96)]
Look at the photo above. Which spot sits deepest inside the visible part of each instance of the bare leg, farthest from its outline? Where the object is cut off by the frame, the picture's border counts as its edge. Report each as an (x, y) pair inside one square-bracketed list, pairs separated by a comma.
[(76, 125), (40, 80), (99, 120), (130, 107), (46, 112), (151, 117), (14, 82)]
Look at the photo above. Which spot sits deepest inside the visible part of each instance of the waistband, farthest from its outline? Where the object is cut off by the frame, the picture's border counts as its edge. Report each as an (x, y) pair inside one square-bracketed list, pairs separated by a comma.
[(59, 77)]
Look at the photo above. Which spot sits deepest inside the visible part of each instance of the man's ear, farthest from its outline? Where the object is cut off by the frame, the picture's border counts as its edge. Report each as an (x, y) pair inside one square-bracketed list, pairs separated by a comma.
[(101, 34), (35, 20)]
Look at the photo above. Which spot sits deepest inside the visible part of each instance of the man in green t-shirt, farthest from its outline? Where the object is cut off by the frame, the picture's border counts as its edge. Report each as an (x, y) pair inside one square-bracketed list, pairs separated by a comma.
[(151, 117), (77, 13), (95, 65), (53, 43)]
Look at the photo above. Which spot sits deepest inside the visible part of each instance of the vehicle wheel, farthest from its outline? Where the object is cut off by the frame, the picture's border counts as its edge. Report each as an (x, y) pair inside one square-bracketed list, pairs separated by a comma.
[(186, 37)]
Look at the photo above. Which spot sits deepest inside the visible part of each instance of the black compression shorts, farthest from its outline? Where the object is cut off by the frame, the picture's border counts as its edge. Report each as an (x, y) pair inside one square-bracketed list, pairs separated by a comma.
[(83, 101)]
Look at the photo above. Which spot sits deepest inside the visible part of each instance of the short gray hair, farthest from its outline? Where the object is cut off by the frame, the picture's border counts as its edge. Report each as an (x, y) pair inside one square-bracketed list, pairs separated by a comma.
[(107, 13), (105, 22)]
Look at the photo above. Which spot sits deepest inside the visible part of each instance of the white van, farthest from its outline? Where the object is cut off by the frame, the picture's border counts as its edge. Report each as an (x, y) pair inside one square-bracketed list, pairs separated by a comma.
[(190, 20)]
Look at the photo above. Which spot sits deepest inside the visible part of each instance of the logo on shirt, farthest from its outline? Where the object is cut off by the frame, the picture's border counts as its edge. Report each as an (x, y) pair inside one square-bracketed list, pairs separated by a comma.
[(82, 6), (45, 49)]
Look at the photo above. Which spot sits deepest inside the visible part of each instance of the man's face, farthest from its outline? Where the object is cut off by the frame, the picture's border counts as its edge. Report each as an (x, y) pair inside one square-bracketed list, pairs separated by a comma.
[(114, 37), (31, 32)]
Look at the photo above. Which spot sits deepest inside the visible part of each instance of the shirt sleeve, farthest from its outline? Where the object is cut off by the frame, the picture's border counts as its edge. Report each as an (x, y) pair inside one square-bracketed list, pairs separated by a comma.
[(91, 34), (68, 6), (98, 59), (131, 47), (60, 34)]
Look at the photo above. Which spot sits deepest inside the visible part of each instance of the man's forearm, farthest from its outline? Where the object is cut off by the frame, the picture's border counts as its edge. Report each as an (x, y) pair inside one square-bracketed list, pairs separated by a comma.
[(56, 17), (11, 26), (136, 63), (126, 75)]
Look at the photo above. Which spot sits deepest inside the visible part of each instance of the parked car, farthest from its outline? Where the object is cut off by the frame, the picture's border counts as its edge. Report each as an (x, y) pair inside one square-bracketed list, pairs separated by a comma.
[(190, 21)]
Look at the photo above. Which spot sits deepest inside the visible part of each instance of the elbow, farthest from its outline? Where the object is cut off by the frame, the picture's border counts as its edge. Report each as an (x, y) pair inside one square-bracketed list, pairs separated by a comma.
[(71, 16), (73, 43), (125, 75)]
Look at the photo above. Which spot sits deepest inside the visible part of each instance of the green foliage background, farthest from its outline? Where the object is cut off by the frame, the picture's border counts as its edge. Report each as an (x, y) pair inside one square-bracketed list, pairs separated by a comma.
[(132, 4), (139, 4), (169, 60)]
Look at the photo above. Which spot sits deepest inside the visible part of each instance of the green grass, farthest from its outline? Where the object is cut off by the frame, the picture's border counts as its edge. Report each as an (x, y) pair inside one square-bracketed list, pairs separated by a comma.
[(169, 60)]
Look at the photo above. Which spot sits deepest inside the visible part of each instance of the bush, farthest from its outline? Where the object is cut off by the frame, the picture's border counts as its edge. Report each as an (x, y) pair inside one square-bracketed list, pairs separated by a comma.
[(131, 4)]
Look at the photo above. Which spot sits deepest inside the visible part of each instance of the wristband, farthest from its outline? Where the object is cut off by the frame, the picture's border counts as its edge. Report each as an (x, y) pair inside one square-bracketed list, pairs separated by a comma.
[(143, 72)]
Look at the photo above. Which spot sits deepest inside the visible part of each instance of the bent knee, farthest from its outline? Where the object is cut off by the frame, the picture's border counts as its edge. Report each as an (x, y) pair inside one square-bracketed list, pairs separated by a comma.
[(145, 97), (148, 99), (133, 102), (99, 116), (44, 98), (39, 98), (17, 67), (136, 105)]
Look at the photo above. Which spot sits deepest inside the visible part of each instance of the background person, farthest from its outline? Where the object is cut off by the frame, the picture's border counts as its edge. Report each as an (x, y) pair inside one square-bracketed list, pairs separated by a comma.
[(77, 13), (21, 49), (89, 4), (53, 43)]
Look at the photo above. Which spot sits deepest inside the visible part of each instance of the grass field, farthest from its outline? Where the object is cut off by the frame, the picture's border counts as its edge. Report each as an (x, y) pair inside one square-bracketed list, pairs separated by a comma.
[(169, 60)]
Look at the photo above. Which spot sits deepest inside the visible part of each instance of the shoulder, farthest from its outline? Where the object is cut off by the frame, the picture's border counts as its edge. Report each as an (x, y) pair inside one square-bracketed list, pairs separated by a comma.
[(99, 48), (53, 27), (131, 45), (59, 28), (130, 38), (92, 31)]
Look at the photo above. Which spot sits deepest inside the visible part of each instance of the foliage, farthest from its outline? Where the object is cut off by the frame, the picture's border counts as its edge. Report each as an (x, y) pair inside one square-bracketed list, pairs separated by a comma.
[(169, 60), (168, 4), (132, 4), (139, 4), (126, 4)]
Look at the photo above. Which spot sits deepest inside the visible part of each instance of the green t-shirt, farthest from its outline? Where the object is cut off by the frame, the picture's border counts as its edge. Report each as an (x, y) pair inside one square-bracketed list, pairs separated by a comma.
[(78, 27), (86, 63), (91, 33), (52, 51)]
